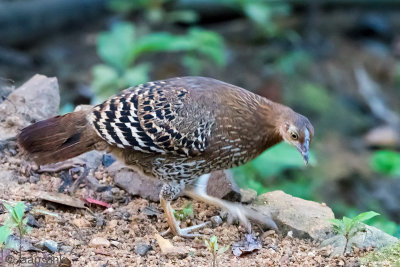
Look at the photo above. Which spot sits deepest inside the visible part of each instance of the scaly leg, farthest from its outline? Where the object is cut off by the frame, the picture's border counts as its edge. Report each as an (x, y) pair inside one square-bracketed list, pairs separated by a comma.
[(167, 193), (242, 213)]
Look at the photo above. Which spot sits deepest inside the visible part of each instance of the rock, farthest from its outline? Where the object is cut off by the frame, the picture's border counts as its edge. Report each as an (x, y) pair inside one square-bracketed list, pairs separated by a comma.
[(221, 185), (22, 180), (142, 249), (247, 195), (306, 219), (136, 183), (35, 100), (60, 198), (382, 136), (99, 242), (108, 160), (31, 221), (34, 179), (66, 249), (93, 159), (81, 222), (49, 245), (216, 220), (170, 251), (371, 237)]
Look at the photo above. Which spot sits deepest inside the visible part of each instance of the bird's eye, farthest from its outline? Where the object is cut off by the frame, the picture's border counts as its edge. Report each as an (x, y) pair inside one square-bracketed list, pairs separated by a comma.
[(294, 136)]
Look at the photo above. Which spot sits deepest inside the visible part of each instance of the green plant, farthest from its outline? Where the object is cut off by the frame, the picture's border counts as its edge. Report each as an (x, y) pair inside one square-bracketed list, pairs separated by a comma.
[(154, 11), (16, 220), (350, 227), (5, 232), (387, 256), (274, 161), (212, 246), (263, 14), (120, 49), (183, 214), (386, 162)]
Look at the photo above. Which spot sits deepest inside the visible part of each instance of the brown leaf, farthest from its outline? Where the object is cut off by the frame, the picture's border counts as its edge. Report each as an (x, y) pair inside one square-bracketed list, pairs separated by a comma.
[(250, 244)]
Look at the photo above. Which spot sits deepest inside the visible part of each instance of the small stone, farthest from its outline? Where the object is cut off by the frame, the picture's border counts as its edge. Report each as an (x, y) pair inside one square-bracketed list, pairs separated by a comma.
[(108, 160), (31, 221), (142, 249), (81, 223), (169, 250), (216, 220), (98, 175), (51, 245), (113, 223), (115, 190), (34, 179), (99, 242), (290, 234), (247, 195), (66, 249), (126, 216), (107, 196), (115, 243), (22, 179), (100, 221)]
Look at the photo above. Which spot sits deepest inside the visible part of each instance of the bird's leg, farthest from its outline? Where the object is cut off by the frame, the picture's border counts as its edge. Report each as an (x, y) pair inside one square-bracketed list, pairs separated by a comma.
[(242, 213), (166, 195)]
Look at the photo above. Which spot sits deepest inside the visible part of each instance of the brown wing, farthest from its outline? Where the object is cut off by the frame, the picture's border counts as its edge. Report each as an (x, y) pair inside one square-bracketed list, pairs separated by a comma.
[(155, 117)]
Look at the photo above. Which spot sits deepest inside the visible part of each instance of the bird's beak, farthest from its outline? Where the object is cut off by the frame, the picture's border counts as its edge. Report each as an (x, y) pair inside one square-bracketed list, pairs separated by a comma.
[(303, 149)]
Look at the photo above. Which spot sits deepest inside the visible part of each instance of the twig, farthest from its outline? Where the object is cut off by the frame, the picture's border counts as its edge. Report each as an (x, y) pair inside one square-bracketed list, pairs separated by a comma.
[(373, 96)]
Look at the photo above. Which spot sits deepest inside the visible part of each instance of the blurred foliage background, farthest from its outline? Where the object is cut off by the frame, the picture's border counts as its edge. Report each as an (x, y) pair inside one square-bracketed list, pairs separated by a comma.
[(337, 62)]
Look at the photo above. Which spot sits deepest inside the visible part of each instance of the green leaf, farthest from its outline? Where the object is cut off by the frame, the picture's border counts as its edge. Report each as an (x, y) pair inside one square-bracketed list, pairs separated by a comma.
[(105, 80), (19, 210), (136, 75), (213, 239), (5, 232), (223, 249), (115, 47), (365, 216), (386, 162)]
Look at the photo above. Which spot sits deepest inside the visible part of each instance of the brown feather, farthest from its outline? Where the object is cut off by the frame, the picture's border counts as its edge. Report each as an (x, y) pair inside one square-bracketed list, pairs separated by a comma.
[(59, 138)]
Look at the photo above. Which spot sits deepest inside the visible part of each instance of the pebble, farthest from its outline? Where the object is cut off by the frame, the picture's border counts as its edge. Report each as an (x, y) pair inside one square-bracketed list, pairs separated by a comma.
[(99, 242), (115, 190), (247, 195), (113, 223), (50, 245), (115, 243), (66, 249), (216, 220), (34, 179), (81, 222), (142, 249), (107, 196), (22, 179), (31, 221)]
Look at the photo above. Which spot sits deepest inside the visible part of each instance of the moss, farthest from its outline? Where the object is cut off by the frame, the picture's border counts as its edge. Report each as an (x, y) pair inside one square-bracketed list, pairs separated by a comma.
[(386, 256)]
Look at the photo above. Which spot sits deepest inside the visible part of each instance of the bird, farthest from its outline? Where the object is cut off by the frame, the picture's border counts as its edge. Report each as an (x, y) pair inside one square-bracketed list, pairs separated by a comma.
[(177, 130)]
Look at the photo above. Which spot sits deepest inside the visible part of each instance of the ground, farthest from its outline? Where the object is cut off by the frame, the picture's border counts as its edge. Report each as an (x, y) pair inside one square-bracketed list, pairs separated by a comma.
[(131, 223)]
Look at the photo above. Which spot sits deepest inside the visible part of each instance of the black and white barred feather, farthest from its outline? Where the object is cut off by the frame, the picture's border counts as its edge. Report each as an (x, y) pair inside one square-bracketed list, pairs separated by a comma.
[(152, 118)]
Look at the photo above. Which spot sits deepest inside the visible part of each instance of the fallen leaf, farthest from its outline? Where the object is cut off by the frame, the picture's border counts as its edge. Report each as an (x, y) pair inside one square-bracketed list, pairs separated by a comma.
[(250, 244), (61, 199), (97, 202)]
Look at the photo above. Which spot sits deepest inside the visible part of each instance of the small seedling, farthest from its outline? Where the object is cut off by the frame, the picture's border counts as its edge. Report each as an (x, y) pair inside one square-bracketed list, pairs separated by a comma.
[(16, 220), (212, 246), (5, 232), (183, 214), (350, 227)]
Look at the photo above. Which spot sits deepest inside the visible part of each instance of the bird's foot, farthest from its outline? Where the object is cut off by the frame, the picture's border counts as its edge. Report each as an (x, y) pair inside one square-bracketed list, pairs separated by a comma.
[(185, 232)]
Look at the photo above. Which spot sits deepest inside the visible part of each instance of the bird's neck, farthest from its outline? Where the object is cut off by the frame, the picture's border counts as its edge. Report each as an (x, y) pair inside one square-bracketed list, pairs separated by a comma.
[(271, 116)]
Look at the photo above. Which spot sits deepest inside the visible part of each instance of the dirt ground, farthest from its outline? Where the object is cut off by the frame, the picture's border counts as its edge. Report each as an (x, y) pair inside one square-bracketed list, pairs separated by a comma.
[(130, 224)]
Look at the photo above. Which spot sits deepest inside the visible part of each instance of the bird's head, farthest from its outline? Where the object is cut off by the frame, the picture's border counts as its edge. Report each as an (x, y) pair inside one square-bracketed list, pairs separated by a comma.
[(298, 131)]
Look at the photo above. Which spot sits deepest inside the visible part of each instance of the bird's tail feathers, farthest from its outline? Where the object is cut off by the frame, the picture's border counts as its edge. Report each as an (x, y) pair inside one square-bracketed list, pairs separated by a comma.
[(58, 138)]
